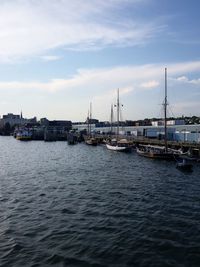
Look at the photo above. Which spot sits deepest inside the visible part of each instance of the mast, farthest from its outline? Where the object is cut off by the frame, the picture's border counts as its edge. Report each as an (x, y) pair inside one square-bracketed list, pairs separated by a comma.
[(111, 119), (117, 114), (88, 123), (165, 110), (90, 117)]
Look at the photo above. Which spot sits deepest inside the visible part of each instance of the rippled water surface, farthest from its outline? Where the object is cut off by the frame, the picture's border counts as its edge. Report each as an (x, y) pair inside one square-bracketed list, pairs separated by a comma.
[(78, 205)]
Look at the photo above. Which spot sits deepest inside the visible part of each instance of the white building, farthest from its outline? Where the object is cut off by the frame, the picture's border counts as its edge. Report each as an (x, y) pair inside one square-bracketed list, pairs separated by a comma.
[(169, 123)]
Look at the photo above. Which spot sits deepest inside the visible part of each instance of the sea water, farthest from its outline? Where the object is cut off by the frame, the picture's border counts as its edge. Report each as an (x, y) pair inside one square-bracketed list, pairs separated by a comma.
[(79, 205)]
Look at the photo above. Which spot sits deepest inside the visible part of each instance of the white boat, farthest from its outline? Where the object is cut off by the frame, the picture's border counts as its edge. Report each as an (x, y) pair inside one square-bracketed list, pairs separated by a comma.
[(120, 145)]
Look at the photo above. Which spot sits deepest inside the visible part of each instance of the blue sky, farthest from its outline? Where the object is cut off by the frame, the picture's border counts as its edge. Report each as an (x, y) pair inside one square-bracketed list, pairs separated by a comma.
[(58, 56)]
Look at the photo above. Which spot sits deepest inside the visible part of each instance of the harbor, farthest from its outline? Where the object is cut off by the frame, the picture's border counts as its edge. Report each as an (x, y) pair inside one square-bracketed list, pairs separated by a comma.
[(184, 137), (99, 133)]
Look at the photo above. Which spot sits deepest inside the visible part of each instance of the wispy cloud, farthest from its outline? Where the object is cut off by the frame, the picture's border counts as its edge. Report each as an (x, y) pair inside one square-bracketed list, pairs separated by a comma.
[(140, 91), (50, 58), (127, 78), (150, 84), (186, 80), (187, 108), (29, 28), (139, 88)]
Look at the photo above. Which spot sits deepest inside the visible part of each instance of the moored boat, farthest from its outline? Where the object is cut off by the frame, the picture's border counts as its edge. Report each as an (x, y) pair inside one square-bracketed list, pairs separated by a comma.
[(154, 152), (158, 152), (24, 135), (120, 145), (91, 141)]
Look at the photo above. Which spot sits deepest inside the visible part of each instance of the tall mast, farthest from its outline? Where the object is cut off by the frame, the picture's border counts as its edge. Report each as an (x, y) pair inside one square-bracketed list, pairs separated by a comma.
[(90, 117), (117, 114), (88, 123), (111, 119), (165, 110)]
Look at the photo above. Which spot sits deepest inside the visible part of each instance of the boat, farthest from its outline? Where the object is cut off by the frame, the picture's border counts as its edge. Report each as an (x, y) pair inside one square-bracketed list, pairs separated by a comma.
[(24, 135), (155, 152), (122, 145), (184, 165), (116, 144), (158, 152), (89, 139)]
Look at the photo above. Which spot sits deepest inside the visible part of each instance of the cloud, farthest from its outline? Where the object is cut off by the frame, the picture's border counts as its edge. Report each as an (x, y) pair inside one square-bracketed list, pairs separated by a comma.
[(187, 108), (50, 58), (150, 84), (29, 28), (100, 86), (126, 78), (186, 80)]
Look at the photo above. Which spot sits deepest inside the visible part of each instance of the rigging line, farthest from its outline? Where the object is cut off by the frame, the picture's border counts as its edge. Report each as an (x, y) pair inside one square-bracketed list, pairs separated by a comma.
[(121, 117), (171, 111)]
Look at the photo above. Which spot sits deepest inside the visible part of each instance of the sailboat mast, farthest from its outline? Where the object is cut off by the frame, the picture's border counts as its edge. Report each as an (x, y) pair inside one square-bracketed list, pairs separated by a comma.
[(117, 114), (111, 119), (88, 123), (90, 117), (165, 110)]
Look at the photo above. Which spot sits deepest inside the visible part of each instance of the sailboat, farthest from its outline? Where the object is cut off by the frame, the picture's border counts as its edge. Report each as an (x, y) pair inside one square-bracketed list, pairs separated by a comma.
[(121, 145), (90, 140), (159, 152)]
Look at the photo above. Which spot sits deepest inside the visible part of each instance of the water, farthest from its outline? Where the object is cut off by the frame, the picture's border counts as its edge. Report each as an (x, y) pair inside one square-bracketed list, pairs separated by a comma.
[(78, 205)]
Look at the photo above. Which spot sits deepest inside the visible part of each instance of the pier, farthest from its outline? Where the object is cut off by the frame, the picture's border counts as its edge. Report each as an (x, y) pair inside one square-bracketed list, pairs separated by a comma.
[(192, 147)]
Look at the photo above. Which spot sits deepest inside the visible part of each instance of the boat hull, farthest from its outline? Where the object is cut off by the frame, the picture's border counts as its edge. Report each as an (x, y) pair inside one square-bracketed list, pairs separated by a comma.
[(118, 148), (91, 142), (156, 155), (23, 138)]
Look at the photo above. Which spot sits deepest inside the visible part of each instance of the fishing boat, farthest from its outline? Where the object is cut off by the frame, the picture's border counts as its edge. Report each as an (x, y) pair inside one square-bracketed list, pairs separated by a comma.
[(158, 152), (89, 139), (116, 144)]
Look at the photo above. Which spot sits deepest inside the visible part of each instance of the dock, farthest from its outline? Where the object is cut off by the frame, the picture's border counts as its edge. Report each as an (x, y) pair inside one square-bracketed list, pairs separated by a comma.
[(192, 147)]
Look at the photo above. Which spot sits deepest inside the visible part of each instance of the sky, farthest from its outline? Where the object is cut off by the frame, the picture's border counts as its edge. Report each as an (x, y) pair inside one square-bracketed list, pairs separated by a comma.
[(58, 56)]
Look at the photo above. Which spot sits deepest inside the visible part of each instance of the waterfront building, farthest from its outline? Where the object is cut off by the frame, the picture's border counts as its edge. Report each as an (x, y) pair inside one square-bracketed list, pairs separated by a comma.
[(190, 133), (56, 129), (13, 120)]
